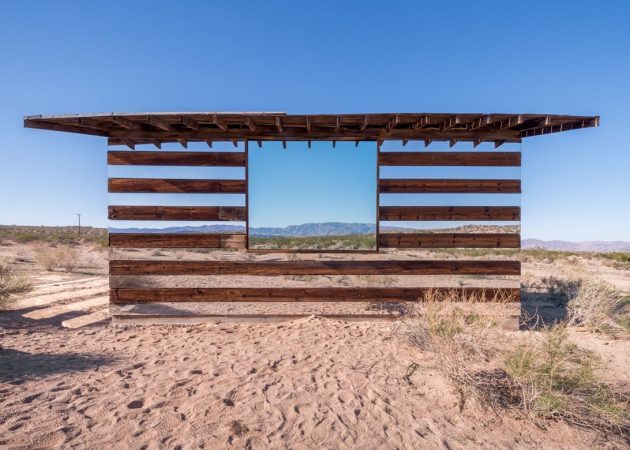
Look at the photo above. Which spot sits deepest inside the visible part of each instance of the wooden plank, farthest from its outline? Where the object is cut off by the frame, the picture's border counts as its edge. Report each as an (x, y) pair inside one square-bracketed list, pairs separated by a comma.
[(221, 159), (229, 295), (450, 240), (277, 268), (421, 213), (423, 186), (165, 240), (504, 159), (213, 213), (173, 186)]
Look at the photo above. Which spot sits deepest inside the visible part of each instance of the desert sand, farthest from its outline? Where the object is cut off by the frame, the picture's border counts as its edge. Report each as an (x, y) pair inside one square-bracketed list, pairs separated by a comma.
[(305, 383)]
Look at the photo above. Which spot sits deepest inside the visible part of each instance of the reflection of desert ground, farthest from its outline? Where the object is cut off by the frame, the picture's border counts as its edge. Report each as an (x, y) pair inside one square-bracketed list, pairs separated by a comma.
[(71, 379)]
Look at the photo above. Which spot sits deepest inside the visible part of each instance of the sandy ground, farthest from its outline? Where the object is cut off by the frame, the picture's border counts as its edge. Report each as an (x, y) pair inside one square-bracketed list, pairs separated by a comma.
[(308, 383), (305, 383)]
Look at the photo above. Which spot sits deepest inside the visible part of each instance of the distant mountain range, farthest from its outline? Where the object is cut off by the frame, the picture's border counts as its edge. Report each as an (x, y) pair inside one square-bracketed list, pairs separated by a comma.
[(341, 228), (581, 246), (305, 229)]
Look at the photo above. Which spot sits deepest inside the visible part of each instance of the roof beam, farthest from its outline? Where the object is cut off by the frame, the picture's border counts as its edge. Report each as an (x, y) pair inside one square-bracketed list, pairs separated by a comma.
[(423, 121), (189, 123), (156, 122), (506, 124), (480, 122), (219, 123), (209, 143), (393, 122), (125, 123), (450, 122), (158, 144), (250, 124), (366, 120), (129, 143), (183, 142)]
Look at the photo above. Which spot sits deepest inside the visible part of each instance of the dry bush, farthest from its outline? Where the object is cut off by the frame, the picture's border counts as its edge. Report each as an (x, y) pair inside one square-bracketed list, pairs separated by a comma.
[(553, 379), (457, 338), (52, 258), (11, 283), (545, 378), (600, 307)]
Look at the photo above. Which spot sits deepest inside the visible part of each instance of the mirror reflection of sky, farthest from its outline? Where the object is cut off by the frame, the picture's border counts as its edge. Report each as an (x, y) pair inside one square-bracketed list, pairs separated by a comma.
[(322, 184)]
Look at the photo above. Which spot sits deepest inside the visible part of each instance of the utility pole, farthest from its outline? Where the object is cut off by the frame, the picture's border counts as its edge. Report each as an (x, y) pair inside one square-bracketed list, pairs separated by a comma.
[(79, 215)]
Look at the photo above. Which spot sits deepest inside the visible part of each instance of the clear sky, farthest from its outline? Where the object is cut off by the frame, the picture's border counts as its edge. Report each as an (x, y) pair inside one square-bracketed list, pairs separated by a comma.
[(565, 57)]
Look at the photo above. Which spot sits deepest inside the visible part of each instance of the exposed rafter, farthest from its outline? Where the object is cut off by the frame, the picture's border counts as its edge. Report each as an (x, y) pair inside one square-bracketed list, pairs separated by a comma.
[(158, 123), (250, 124), (219, 122), (129, 143), (125, 123), (183, 142), (189, 123), (148, 128), (366, 121)]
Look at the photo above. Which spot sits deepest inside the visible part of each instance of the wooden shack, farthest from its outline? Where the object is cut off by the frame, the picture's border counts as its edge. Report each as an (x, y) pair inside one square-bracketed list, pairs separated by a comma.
[(440, 140)]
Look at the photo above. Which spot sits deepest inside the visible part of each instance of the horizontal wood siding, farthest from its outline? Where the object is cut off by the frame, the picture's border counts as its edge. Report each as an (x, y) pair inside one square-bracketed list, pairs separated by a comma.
[(274, 268), (210, 213), (163, 240), (437, 186), (421, 213), (126, 158), (175, 186), (505, 159), (449, 240), (300, 294)]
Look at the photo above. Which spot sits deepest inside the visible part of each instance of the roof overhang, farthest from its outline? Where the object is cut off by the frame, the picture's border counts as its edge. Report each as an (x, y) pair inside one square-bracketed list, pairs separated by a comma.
[(156, 128)]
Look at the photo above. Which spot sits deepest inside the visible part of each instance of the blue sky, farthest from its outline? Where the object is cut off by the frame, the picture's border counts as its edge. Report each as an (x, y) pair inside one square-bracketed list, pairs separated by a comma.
[(567, 57)]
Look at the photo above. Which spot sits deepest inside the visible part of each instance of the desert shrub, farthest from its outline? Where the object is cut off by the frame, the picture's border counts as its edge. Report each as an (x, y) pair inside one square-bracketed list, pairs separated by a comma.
[(457, 338), (554, 379), (598, 306), (52, 258), (545, 378), (619, 260), (11, 283), (567, 289)]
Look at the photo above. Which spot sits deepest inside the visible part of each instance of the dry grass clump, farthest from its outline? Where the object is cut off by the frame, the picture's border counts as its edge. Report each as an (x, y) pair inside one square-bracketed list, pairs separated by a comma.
[(11, 283), (52, 258), (458, 339), (545, 378), (553, 379), (600, 307)]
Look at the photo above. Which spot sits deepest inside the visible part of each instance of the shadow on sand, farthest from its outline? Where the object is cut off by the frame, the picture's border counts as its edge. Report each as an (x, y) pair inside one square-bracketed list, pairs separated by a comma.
[(540, 310), (16, 365)]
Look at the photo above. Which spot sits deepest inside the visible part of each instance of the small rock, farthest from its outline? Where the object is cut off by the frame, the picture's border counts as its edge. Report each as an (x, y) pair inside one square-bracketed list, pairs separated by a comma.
[(135, 404), (228, 402)]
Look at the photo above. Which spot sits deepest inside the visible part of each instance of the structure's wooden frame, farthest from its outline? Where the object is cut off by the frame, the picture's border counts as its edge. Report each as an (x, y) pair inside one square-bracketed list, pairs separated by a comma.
[(148, 128)]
